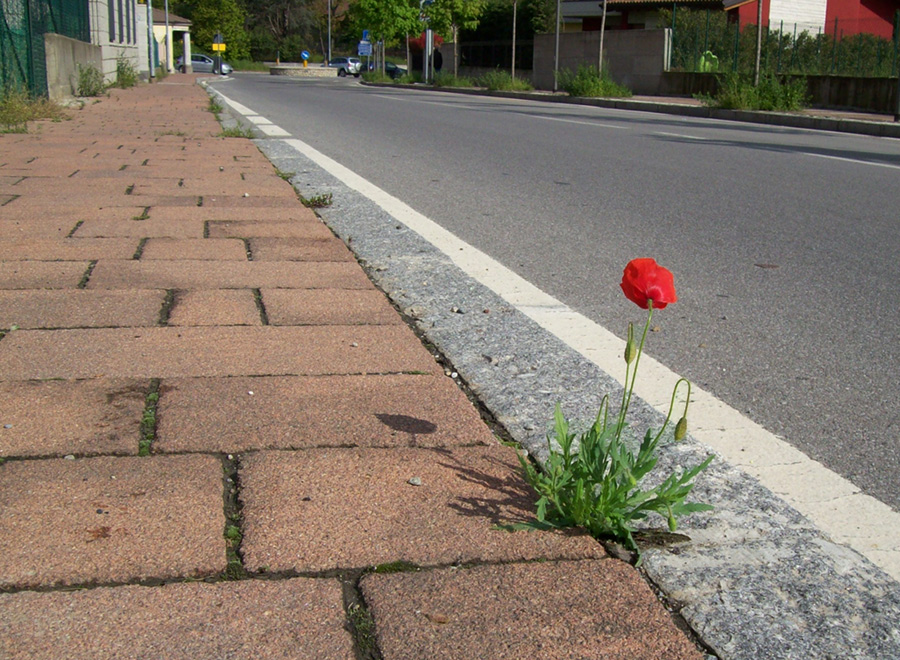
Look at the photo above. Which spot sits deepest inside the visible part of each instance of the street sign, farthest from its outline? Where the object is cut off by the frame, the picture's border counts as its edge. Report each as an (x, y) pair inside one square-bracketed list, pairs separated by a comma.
[(218, 48), (365, 35), (364, 49), (304, 55)]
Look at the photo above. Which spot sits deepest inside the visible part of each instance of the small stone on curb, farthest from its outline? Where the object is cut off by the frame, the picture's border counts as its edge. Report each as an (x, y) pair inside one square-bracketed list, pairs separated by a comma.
[(415, 481)]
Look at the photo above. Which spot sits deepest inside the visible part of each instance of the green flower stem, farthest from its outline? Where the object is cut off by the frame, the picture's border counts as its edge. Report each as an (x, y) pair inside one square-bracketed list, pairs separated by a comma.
[(629, 386), (672, 406)]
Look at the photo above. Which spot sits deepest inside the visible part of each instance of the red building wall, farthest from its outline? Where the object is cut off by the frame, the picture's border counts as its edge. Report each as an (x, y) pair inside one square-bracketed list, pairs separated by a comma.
[(866, 16), (854, 16)]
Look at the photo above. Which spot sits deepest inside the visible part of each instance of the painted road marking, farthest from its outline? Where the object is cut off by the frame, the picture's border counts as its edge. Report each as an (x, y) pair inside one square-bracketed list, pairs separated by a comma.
[(832, 502), (852, 160)]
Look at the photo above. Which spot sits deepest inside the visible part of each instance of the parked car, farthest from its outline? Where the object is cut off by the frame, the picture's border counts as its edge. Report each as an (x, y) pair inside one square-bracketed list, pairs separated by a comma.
[(390, 69), (346, 65), (204, 64)]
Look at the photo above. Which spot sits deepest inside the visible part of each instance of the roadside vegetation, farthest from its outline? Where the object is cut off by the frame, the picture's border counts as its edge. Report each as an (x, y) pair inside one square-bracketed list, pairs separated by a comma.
[(589, 82), (18, 108), (737, 92)]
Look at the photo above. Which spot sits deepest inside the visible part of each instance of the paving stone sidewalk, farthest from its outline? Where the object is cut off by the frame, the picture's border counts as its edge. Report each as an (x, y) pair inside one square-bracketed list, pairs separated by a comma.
[(218, 439)]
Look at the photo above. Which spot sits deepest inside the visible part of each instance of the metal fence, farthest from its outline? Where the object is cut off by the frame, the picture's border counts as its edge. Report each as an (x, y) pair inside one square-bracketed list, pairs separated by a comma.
[(23, 24), (706, 41)]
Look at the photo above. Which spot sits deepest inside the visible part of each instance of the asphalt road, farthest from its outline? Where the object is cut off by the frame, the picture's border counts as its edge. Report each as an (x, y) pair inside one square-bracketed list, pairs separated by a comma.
[(784, 242)]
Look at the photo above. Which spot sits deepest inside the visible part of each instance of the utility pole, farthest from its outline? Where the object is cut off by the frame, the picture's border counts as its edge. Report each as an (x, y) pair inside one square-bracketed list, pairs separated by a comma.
[(556, 52), (759, 19), (150, 40), (515, 6), (602, 32), (169, 52)]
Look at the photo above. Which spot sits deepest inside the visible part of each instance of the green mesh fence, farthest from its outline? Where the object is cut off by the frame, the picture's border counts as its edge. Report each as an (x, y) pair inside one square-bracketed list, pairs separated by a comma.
[(707, 41), (23, 24)]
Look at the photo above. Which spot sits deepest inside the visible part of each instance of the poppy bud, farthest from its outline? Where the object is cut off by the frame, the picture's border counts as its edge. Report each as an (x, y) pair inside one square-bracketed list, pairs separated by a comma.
[(681, 429), (629, 352)]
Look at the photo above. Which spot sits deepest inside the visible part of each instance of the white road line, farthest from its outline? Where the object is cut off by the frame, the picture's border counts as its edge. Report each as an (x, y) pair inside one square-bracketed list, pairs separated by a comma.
[(578, 121), (852, 160), (683, 137), (475, 107), (832, 502)]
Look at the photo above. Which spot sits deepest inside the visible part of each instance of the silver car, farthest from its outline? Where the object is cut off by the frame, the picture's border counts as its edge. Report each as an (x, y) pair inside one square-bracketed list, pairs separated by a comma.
[(204, 64), (346, 65)]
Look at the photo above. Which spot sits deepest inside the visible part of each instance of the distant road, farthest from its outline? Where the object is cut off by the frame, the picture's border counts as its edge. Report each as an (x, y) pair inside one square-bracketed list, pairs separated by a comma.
[(785, 243)]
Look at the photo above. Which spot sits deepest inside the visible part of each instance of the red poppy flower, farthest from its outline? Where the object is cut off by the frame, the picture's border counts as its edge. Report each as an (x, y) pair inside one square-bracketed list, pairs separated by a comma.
[(645, 280)]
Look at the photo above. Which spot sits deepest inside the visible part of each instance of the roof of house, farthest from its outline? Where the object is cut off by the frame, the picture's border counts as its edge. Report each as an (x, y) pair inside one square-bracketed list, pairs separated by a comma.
[(666, 3), (159, 18)]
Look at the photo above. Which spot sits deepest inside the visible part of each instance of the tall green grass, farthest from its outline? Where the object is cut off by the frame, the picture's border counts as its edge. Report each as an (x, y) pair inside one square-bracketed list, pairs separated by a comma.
[(502, 81), (589, 82), (736, 92)]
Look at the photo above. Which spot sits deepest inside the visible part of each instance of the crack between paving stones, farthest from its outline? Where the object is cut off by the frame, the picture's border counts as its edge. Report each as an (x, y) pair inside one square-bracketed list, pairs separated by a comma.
[(233, 532), (82, 284), (260, 306), (165, 309), (674, 607), (149, 419), (140, 248), (74, 229)]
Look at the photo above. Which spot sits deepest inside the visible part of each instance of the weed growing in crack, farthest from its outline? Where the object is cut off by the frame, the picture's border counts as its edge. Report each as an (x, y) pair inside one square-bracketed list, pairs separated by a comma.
[(236, 132), (363, 627), (317, 201), (148, 420)]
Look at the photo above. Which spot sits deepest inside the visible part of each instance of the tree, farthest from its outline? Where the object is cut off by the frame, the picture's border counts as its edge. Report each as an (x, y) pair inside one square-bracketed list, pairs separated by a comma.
[(388, 20), (220, 16), (448, 17)]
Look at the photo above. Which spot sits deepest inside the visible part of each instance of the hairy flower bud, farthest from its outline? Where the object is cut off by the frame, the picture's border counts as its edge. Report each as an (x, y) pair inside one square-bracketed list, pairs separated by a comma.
[(630, 352), (681, 429)]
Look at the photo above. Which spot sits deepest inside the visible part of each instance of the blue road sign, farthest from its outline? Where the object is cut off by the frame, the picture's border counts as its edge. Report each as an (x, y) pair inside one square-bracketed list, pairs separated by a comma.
[(364, 49)]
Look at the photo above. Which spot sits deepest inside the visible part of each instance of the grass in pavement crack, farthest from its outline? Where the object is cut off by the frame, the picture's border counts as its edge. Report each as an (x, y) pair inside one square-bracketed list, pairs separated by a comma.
[(359, 618), (148, 419), (75, 228), (260, 305), (140, 249), (87, 275), (234, 568), (166, 309)]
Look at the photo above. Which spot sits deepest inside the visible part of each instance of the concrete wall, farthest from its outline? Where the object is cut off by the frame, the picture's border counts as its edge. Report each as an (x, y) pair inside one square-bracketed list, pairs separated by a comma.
[(64, 56), (634, 58)]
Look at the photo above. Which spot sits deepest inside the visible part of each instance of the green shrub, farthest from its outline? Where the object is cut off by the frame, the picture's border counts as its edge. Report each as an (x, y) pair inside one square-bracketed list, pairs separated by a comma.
[(126, 73), (737, 92), (449, 80), (589, 82), (90, 81), (376, 77), (502, 81)]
